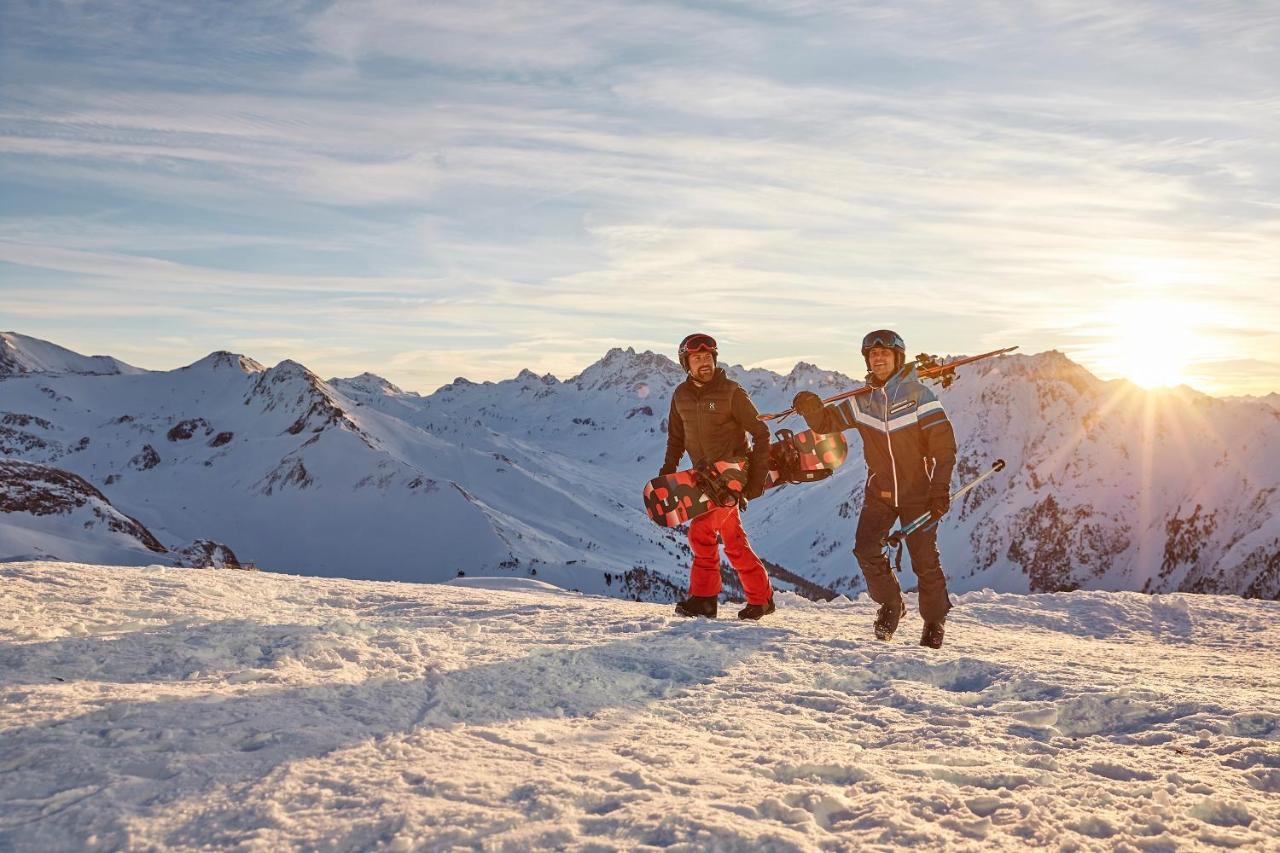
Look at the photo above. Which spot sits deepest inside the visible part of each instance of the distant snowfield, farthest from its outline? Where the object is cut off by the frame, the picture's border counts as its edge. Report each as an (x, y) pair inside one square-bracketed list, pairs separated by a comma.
[(180, 708)]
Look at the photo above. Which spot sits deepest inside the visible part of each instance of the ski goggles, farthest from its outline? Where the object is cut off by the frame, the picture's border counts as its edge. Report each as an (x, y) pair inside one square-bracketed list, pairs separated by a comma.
[(883, 338), (698, 342)]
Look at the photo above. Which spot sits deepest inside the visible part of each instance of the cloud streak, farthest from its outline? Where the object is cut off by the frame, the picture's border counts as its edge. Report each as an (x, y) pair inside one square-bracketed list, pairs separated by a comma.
[(489, 192)]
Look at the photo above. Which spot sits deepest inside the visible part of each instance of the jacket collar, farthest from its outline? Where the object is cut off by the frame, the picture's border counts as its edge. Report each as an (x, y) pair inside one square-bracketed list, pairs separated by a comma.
[(906, 373)]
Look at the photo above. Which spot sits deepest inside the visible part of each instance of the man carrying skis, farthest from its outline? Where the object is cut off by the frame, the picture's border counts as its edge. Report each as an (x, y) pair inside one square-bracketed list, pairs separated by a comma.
[(709, 419), (910, 450)]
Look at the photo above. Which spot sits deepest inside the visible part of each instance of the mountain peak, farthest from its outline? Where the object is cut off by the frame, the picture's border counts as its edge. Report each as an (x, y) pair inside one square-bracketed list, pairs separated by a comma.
[(21, 354), (369, 383), (224, 360), (528, 377), (621, 367)]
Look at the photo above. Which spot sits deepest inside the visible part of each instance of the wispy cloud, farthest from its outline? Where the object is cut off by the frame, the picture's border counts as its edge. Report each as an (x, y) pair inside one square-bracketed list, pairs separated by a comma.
[(462, 188)]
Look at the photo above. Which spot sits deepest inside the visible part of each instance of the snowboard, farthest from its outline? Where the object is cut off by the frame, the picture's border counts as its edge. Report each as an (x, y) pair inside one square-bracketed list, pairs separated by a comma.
[(673, 499), (801, 457), (804, 457)]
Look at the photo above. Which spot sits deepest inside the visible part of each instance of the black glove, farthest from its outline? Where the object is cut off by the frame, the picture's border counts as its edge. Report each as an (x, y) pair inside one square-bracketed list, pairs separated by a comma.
[(757, 476), (939, 503), (808, 404)]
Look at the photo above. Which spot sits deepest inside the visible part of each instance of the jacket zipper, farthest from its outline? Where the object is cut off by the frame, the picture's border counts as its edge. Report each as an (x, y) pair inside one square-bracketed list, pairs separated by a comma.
[(702, 433), (888, 440)]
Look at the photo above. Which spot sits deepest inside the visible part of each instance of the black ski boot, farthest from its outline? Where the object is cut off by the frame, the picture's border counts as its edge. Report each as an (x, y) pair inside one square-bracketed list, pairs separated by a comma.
[(932, 634), (887, 618), (754, 612), (697, 605)]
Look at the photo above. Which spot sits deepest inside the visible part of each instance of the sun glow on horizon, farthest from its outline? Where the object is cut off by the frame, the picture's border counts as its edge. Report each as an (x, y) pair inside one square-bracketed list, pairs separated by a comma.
[(1152, 342)]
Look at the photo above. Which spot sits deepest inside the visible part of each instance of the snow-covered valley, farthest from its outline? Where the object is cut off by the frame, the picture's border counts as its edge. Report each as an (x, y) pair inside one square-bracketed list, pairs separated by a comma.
[(154, 708)]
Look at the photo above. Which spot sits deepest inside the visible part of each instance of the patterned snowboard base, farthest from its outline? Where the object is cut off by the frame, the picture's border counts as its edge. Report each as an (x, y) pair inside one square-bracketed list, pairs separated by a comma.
[(802, 457)]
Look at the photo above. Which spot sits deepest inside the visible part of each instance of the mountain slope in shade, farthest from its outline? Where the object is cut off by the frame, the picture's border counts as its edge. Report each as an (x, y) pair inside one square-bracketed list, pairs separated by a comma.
[(537, 476), (266, 460), (52, 514), (22, 354)]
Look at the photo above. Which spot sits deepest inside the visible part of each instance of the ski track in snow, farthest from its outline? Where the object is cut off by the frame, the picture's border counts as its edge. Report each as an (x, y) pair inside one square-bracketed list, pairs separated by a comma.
[(182, 709)]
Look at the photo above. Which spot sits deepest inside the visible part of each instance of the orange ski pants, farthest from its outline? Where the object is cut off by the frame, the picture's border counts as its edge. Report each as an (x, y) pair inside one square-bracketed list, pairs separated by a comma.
[(704, 575)]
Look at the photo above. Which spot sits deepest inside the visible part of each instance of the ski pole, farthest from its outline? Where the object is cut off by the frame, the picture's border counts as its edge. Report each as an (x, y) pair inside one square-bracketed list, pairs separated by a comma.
[(894, 539)]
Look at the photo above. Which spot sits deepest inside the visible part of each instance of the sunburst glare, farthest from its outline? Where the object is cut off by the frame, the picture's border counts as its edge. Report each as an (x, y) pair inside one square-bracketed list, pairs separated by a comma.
[(1151, 342)]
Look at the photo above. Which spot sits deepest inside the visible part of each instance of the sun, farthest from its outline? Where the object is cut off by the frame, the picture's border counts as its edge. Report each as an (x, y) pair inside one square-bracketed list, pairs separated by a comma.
[(1153, 342)]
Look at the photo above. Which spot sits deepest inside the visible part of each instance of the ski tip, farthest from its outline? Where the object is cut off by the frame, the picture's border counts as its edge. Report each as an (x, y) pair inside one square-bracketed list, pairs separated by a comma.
[(998, 466)]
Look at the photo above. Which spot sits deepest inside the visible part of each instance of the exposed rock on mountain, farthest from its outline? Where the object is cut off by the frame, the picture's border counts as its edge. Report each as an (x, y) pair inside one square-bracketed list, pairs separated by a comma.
[(1107, 486)]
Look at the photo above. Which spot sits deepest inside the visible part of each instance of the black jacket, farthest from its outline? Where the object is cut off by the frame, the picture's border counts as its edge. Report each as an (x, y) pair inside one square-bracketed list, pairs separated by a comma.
[(710, 422), (907, 438)]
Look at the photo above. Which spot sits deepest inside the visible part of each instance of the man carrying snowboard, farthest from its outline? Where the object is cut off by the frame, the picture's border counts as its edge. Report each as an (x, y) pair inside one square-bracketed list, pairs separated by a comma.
[(910, 450), (709, 419)]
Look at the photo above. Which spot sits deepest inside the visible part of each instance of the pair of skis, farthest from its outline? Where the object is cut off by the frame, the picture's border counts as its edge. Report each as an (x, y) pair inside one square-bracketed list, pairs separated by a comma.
[(927, 367)]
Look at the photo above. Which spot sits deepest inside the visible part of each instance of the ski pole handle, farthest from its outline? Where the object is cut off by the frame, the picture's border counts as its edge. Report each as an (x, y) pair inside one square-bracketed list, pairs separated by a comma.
[(894, 539)]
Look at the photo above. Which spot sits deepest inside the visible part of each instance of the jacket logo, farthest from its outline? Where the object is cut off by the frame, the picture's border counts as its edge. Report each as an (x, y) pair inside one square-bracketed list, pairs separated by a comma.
[(902, 407), (711, 406)]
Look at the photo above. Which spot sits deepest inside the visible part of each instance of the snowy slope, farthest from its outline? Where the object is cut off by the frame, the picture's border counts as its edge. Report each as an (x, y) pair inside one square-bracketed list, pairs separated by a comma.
[(265, 460), (24, 354), (1108, 486), (163, 709), (56, 515)]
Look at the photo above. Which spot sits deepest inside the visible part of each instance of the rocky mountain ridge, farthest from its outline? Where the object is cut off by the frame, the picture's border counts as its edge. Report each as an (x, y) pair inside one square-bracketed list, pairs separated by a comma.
[(1108, 486)]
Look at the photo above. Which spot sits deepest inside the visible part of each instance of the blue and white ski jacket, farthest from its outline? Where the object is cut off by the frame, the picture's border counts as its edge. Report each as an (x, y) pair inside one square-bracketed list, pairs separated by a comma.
[(907, 438)]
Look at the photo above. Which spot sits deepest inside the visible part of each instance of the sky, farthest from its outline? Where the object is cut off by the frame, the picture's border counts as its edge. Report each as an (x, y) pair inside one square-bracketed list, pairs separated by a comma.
[(432, 190)]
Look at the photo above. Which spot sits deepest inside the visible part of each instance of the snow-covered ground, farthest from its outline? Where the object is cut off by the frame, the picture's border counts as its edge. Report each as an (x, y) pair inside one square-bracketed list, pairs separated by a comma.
[(148, 708)]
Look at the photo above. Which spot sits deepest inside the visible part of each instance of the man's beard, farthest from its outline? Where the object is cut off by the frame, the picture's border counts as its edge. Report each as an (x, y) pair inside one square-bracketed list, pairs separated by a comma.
[(704, 374)]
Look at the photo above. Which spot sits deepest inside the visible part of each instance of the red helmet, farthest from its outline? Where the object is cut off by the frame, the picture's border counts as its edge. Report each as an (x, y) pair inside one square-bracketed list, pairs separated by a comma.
[(697, 342)]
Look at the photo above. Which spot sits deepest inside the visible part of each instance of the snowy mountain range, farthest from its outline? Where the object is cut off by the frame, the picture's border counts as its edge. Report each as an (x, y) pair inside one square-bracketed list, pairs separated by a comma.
[(1107, 486)]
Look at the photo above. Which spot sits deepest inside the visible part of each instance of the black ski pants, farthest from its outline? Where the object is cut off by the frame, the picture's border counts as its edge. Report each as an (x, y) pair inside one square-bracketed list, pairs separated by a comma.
[(875, 522)]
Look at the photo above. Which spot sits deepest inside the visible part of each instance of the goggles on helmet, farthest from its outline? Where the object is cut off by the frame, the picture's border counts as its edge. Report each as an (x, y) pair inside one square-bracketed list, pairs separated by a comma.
[(697, 342), (883, 338)]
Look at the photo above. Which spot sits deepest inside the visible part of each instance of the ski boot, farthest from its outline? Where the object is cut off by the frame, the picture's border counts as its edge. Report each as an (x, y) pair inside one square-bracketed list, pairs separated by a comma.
[(932, 635), (697, 605), (754, 612), (887, 618)]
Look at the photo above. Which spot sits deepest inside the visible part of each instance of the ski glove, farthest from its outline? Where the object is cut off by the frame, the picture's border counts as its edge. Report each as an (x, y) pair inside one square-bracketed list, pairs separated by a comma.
[(666, 470), (753, 491), (808, 404), (939, 504)]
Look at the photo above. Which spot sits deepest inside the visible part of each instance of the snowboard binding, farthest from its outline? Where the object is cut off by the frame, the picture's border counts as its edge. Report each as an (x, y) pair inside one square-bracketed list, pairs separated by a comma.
[(785, 458), (708, 479)]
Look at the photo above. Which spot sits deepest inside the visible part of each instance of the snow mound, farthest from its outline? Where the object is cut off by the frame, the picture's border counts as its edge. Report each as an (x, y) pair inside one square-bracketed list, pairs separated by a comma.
[(509, 585)]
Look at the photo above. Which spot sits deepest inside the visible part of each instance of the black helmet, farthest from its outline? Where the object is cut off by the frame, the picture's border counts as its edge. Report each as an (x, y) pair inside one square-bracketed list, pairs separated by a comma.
[(888, 339), (697, 342)]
